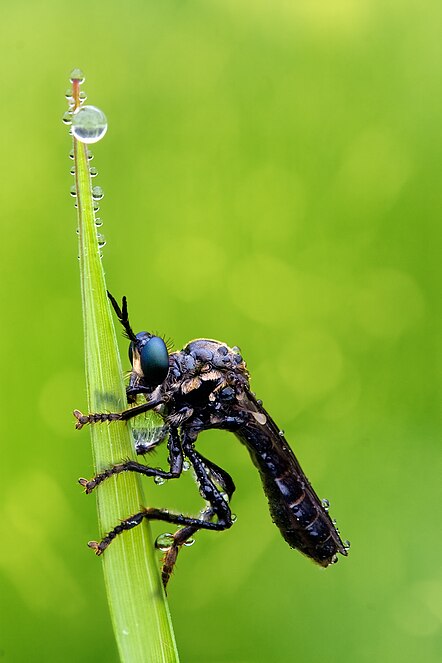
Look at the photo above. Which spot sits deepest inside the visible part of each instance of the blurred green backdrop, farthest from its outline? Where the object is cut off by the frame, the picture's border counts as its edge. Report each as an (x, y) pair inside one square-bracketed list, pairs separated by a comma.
[(271, 181)]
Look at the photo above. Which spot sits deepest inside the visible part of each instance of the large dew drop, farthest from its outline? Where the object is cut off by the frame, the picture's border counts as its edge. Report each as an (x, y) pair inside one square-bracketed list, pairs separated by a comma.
[(89, 124)]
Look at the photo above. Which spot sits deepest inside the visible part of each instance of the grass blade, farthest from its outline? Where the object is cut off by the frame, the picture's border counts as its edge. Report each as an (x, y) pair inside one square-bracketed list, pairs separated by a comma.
[(137, 603)]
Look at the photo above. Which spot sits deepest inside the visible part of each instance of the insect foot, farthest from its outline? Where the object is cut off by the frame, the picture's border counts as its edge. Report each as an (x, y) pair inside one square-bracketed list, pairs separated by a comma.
[(88, 488), (95, 546), (96, 418)]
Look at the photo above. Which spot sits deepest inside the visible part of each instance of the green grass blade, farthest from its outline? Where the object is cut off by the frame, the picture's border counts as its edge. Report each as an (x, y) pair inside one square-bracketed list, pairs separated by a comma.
[(137, 603)]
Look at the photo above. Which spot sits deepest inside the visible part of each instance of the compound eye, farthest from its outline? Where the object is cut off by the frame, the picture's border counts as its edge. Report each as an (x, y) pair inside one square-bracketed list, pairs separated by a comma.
[(154, 360)]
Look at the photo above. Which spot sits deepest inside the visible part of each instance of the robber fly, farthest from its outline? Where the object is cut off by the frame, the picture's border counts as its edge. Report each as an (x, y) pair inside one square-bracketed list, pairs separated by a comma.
[(204, 386)]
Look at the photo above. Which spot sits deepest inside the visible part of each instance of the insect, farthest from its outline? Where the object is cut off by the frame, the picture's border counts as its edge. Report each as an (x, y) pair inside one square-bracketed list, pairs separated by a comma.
[(204, 386)]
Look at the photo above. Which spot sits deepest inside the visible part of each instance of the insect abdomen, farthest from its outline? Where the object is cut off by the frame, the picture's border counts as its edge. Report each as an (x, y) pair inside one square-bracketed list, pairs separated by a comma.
[(294, 506)]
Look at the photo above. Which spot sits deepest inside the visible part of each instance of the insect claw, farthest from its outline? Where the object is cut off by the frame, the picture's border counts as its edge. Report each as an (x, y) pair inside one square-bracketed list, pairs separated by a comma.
[(85, 484), (95, 546), (82, 419)]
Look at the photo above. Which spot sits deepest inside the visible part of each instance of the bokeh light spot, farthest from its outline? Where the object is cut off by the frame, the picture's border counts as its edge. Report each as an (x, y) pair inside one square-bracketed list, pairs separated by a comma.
[(388, 303), (312, 364)]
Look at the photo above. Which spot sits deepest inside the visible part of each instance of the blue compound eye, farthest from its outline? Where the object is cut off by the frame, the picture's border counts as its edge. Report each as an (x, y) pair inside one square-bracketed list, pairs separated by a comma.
[(154, 360)]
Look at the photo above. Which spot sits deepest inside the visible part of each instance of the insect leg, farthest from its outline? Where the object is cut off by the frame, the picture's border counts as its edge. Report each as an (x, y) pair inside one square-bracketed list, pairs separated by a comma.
[(180, 538), (100, 417), (156, 514), (222, 477), (205, 471), (175, 460), (218, 507)]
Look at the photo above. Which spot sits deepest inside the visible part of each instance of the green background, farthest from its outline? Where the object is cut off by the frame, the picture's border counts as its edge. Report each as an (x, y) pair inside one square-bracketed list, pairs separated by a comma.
[(271, 181)]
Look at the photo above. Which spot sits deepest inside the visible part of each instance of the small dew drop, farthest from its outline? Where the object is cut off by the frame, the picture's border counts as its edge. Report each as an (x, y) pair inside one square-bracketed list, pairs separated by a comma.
[(101, 243), (90, 155), (73, 170), (234, 517), (71, 154), (83, 96), (67, 118), (93, 172), (76, 75), (281, 433), (189, 543), (97, 193), (68, 94), (347, 544), (73, 191), (78, 231), (334, 559), (98, 222), (89, 124), (186, 466), (159, 480), (164, 542), (325, 504), (236, 349), (259, 401), (96, 206)]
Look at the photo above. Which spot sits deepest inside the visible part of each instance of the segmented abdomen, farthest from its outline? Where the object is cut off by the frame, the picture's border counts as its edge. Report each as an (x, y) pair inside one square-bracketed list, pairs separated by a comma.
[(294, 506)]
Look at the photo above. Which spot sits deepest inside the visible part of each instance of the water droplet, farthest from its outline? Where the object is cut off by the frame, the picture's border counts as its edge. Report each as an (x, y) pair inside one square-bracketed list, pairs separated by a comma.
[(189, 542), (164, 542), (347, 544), (334, 522), (83, 96), (334, 559), (159, 480), (93, 172), (90, 155), (71, 154), (76, 75), (259, 401), (78, 231), (73, 191), (101, 242), (98, 222), (68, 94), (281, 433), (67, 118), (73, 170), (96, 206), (233, 517), (97, 193), (89, 124), (236, 349), (186, 466), (325, 504), (225, 497)]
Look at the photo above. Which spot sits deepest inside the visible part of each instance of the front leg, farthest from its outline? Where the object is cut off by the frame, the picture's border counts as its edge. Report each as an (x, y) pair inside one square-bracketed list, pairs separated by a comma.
[(100, 417)]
